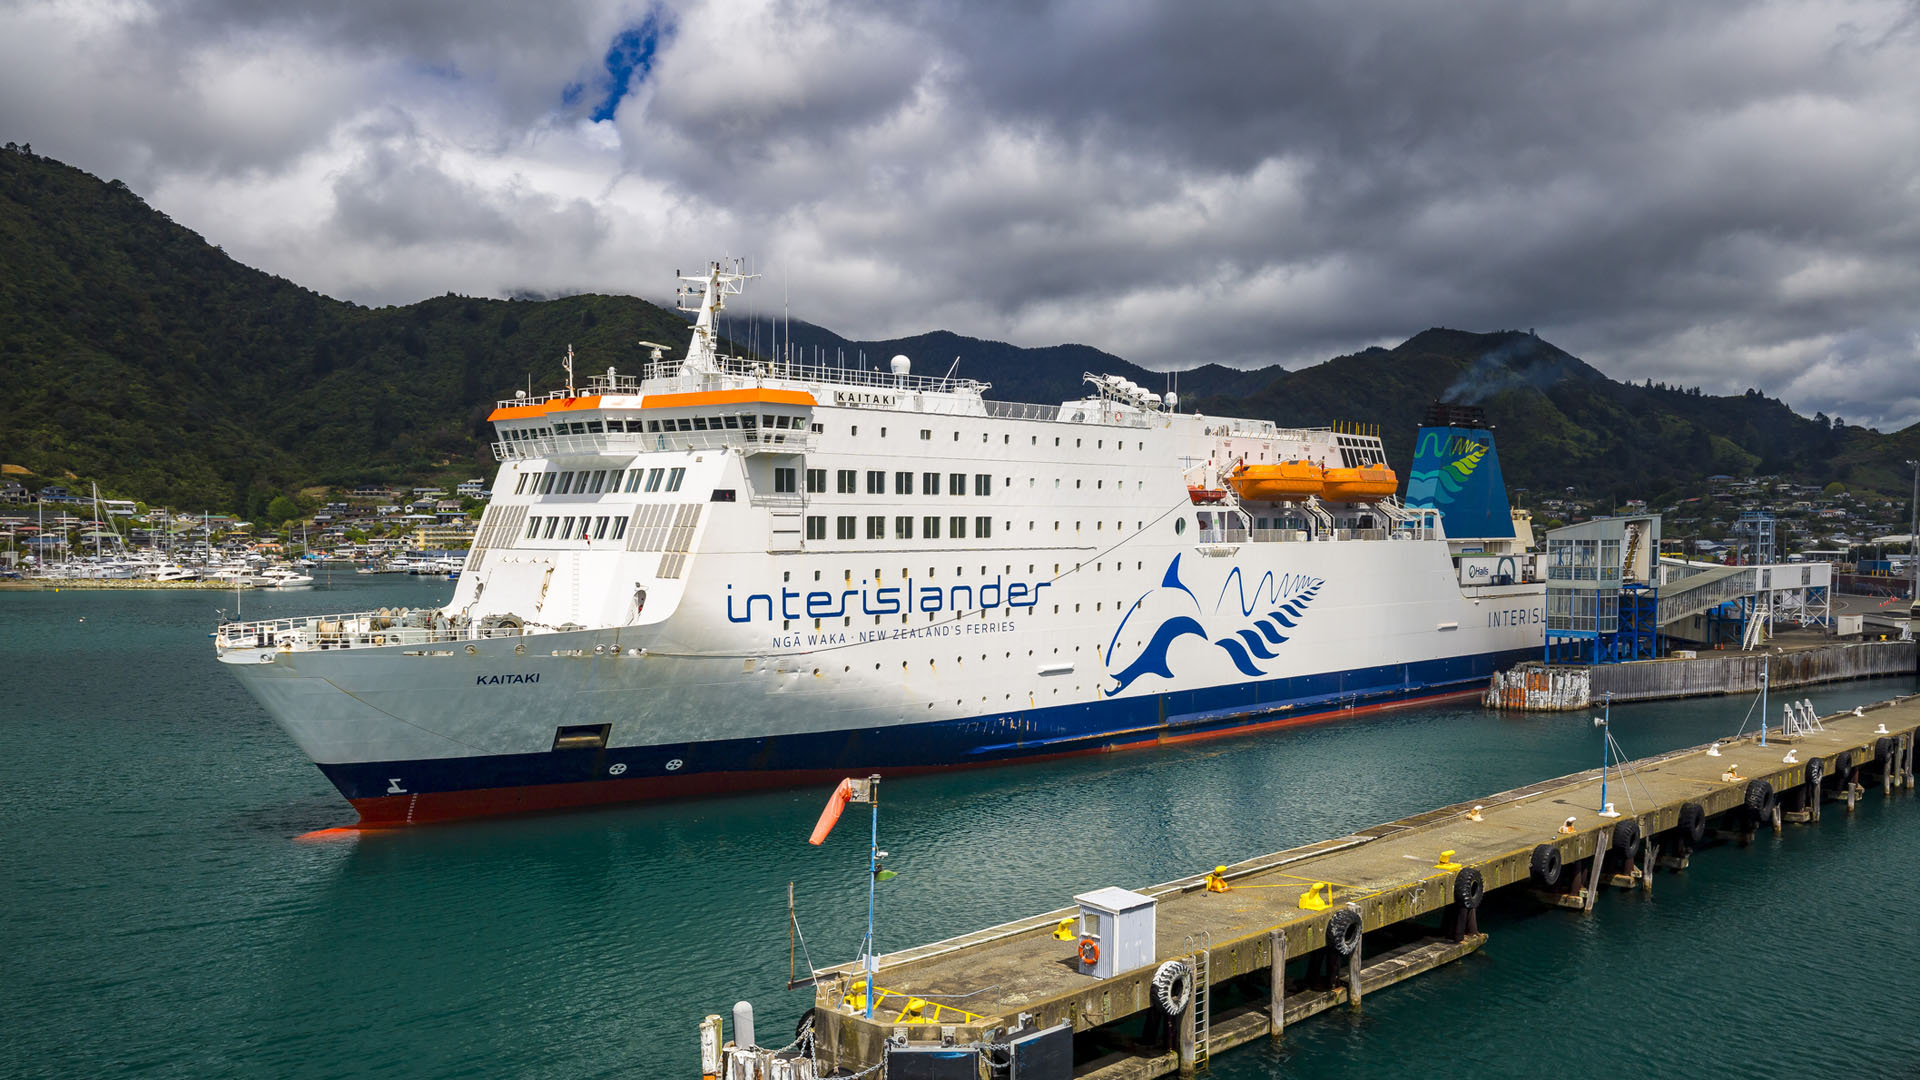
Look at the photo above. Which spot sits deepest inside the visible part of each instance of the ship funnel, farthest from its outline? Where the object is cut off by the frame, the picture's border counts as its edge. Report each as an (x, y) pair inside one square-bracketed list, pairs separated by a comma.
[(1457, 471)]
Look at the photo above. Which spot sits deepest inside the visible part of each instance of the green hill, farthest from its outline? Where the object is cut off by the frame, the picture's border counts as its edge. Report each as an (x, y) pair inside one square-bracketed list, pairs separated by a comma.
[(135, 354)]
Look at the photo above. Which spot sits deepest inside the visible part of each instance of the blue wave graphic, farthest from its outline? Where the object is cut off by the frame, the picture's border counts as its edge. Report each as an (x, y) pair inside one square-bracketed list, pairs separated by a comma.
[(1240, 658), (1269, 631), (1154, 659), (1255, 645)]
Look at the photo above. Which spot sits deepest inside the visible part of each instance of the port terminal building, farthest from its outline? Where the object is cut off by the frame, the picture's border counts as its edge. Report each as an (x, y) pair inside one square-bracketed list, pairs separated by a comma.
[(1611, 598)]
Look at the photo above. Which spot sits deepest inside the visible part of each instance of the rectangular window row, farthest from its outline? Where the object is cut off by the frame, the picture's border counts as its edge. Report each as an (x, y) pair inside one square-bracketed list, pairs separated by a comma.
[(572, 527), (847, 482), (847, 527), (598, 481)]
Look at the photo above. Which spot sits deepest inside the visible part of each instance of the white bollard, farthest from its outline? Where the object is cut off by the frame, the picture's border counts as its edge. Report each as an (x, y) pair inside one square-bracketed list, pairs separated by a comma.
[(743, 1024)]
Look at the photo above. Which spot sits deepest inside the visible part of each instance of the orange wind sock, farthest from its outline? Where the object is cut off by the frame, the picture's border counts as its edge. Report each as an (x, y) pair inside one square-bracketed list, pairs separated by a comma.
[(831, 815)]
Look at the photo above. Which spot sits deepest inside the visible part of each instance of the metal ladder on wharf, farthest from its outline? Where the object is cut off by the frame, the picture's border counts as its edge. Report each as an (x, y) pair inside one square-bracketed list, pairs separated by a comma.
[(1202, 954)]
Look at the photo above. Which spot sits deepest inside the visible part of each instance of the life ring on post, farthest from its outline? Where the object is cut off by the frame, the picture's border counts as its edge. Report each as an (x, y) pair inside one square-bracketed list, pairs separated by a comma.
[(1089, 951)]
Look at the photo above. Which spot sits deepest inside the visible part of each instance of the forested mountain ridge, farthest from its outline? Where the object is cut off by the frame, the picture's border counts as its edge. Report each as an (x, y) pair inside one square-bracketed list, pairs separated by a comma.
[(135, 354)]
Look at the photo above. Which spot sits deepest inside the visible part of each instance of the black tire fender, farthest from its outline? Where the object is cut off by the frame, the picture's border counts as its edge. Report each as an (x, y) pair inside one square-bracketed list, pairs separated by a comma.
[(1816, 772), (1692, 822), (1468, 888), (1343, 931), (803, 1025), (1884, 749), (1761, 798), (1172, 987), (1544, 869), (1626, 841)]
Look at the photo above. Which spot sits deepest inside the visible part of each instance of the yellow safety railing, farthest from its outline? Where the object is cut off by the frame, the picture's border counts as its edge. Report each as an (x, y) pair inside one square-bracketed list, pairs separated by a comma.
[(910, 1009)]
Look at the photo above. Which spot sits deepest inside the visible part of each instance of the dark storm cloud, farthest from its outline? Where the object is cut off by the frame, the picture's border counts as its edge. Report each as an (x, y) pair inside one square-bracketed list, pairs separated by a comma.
[(1714, 193)]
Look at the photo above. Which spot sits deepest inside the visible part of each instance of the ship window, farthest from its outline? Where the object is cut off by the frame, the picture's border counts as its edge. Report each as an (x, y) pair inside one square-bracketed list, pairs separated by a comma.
[(746, 421), (552, 524), (565, 484), (674, 477), (926, 434), (957, 483), (533, 527), (731, 420), (600, 528), (1179, 526), (699, 423), (903, 527), (653, 425), (983, 527), (653, 478), (849, 481), (566, 529), (903, 483), (876, 482), (634, 477), (594, 427), (581, 737), (930, 525), (817, 527), (876, 527), (957, 527), (722, 495), (784, 422), (546, 483), (783, 480), (766, 420), (930, 483), (686, 424), (521, 487), (599, 481), (816, 481), (619, 528), (843, 526)]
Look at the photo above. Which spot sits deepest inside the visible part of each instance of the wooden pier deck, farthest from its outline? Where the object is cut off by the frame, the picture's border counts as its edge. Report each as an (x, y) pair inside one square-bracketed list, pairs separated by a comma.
[(1020, 976)]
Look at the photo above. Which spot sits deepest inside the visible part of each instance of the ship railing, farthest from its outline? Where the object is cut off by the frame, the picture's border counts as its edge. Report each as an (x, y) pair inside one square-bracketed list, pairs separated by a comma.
[(634, 442), (360, 629), (1232, 535), (666, 374), (1021, 410)]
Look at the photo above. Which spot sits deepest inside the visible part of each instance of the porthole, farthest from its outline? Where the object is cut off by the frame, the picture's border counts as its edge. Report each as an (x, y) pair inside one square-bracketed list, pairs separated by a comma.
[(1179, 526)]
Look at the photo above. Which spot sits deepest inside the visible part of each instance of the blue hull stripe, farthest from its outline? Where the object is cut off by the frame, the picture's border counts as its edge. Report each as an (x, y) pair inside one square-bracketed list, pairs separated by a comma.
[(1108, 723)]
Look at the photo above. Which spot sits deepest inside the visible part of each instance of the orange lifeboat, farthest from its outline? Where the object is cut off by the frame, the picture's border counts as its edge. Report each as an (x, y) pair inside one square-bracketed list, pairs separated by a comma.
[(1361, 484), (1280, 482), (1203, 496)]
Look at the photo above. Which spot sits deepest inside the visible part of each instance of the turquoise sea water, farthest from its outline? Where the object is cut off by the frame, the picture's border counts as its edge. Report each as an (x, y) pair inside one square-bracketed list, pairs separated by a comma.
[(158, 919)]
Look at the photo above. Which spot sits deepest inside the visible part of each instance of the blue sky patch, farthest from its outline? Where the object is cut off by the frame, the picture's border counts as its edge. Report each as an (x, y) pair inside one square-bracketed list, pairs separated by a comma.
[(628, 60)]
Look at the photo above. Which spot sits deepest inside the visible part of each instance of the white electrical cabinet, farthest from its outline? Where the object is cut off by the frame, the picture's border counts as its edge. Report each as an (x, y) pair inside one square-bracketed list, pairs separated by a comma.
[(1116, 931)]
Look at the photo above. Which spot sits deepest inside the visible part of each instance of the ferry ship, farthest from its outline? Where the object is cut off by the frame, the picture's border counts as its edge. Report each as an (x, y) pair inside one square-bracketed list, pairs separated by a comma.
[(726, 573)]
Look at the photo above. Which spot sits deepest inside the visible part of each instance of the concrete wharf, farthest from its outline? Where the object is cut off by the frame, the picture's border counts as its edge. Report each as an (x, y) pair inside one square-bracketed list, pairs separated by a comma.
[(1399, 899)]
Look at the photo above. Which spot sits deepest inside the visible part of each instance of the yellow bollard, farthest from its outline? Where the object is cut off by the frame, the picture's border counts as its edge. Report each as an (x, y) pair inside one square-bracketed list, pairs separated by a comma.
[(1319, 897), (1217, 881), (1064, 930), (1446, 862)]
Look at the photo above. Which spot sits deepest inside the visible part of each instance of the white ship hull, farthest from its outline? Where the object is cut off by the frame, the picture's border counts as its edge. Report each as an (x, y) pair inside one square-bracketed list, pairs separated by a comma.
[(780, 598)]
